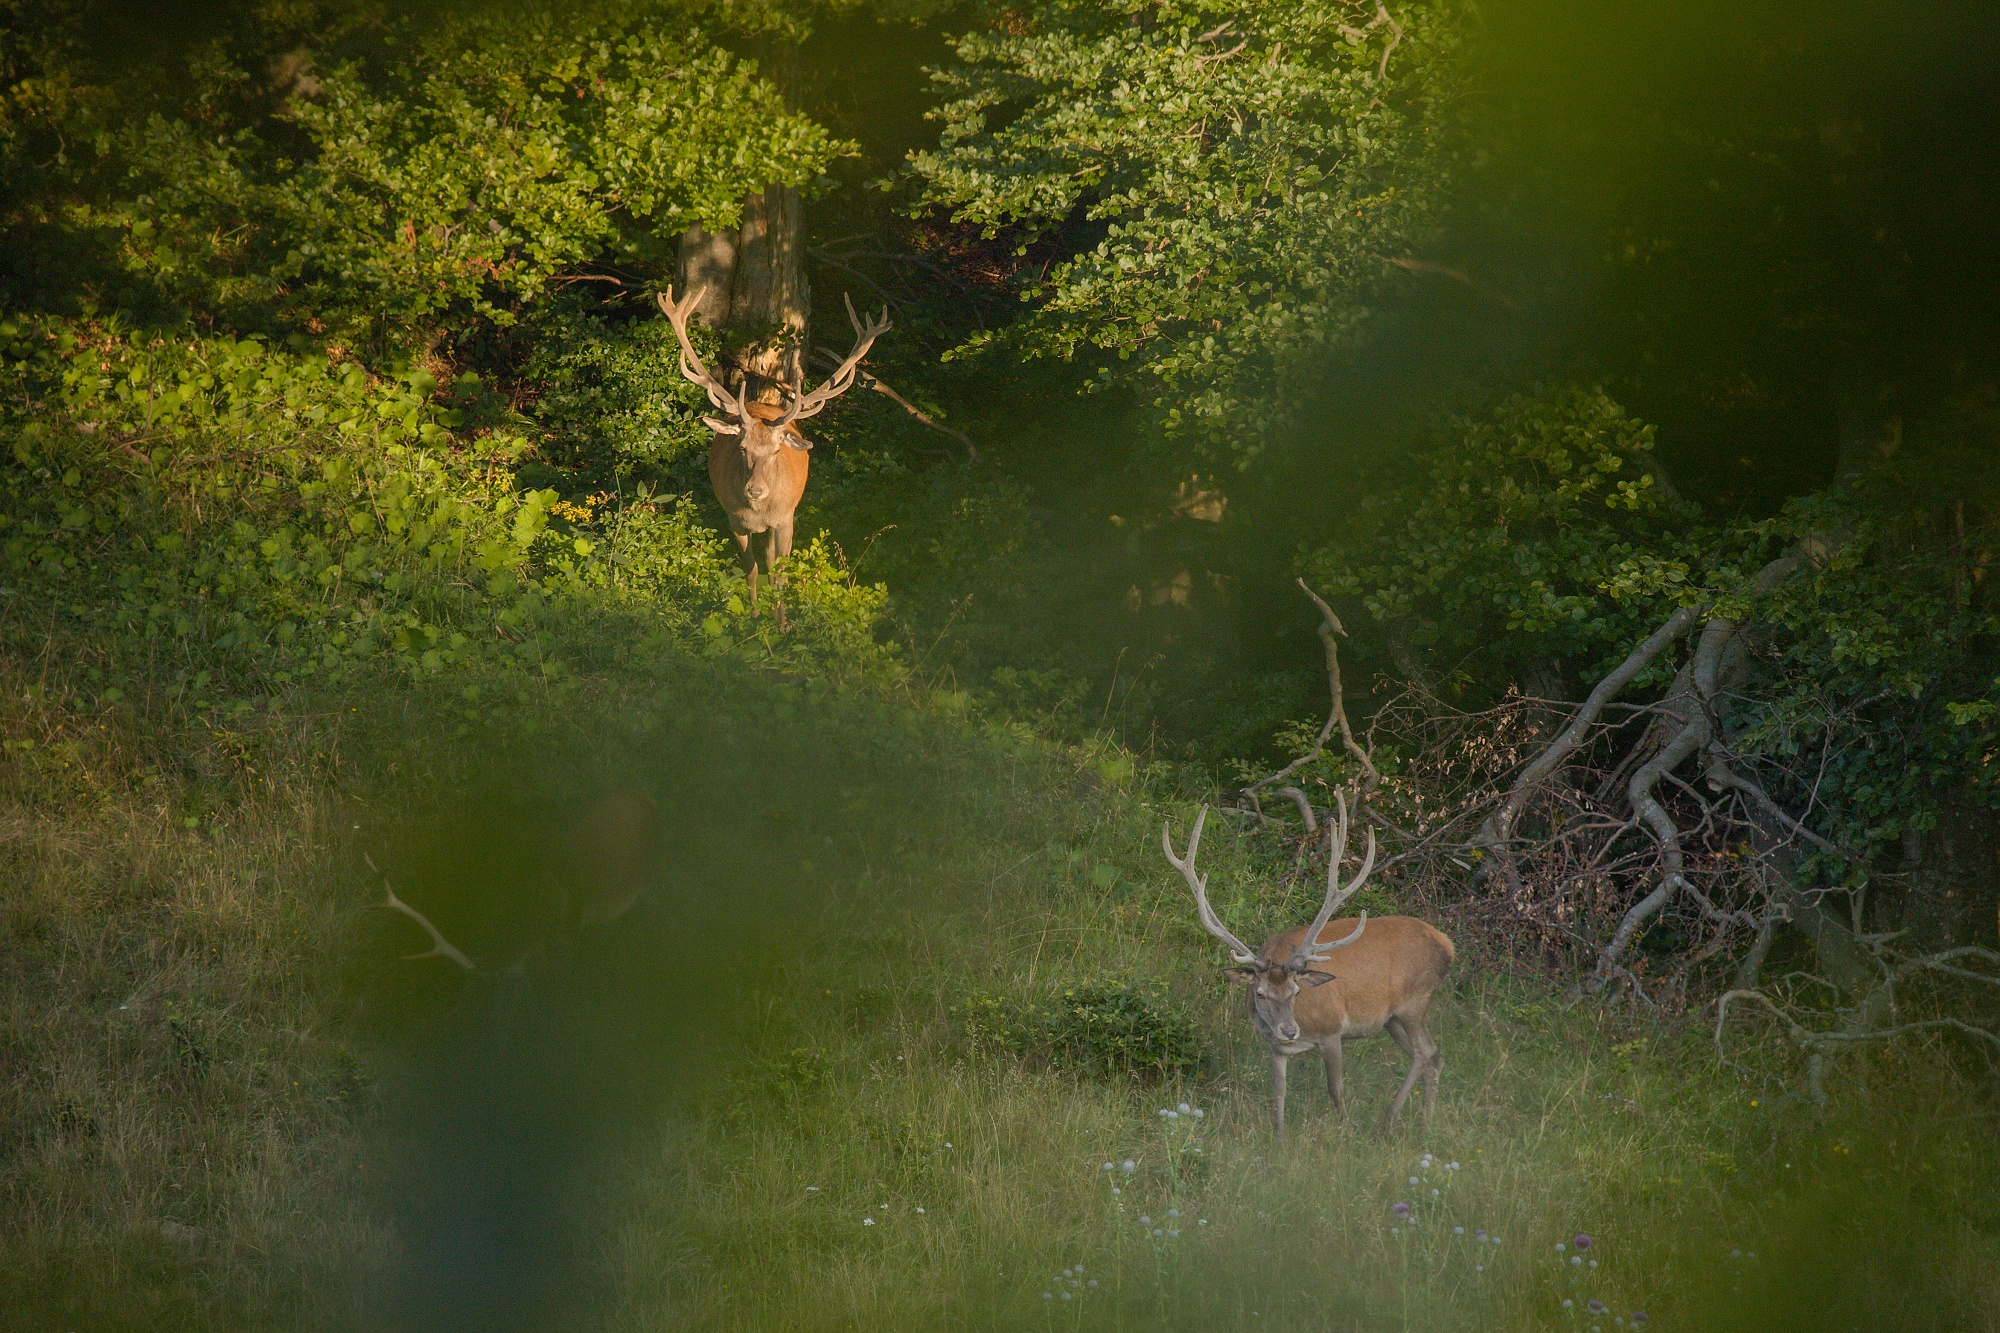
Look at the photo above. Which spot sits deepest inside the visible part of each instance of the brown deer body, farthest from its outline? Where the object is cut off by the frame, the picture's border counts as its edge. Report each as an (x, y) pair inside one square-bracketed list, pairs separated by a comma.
[(760, 489), (1384, 983), (757, 461), (1304, 996)]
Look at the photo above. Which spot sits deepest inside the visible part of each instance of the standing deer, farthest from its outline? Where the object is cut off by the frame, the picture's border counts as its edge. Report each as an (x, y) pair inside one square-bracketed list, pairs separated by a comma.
[(757, 461), (1389, 970)]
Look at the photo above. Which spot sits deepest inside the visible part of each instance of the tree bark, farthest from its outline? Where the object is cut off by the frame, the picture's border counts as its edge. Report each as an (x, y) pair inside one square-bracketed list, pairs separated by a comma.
[(708, 263), (770, 302), (755, 290)]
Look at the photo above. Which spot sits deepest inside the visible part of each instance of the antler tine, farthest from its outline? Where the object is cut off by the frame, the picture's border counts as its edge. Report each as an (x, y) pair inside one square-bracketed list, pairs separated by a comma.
[(1310, 949), (1238, 951), (440, 946), (691, 366), (842, 379)]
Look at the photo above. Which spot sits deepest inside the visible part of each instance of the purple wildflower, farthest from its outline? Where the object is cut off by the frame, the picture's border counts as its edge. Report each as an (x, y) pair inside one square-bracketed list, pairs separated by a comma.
[(1401, 1210), (1582, 1242), (1595, 1307), (1638, 1316)]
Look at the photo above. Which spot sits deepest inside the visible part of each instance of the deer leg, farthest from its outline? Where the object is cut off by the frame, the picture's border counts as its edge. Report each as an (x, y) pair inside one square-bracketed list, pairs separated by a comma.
[(1278, 1062), (1329, 1052), (1433, 1059), (779, 548), (1417, 1063), (747, 558)]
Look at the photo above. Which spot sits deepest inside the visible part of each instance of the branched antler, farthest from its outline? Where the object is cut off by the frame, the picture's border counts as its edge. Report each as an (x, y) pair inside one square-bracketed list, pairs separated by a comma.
[(1238, 950), (440, 946), (1310, 949), (691, 363), (808, 404)]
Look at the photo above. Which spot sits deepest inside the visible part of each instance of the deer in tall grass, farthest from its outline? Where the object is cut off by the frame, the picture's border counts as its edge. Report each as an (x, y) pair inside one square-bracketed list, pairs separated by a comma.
[(1318, 986), (601, 860), (758, 458)]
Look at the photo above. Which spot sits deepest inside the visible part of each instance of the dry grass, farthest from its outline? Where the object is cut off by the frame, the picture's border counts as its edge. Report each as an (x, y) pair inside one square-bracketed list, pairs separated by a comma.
[(180, 1098)]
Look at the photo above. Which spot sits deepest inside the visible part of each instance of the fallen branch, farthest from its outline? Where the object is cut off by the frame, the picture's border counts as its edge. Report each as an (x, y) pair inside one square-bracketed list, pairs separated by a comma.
[(1498, 829), (1823, 1045)]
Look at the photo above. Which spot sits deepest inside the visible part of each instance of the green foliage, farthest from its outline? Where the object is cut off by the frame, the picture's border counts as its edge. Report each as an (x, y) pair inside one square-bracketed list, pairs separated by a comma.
[(1885, 677), (1217, 188), (610, 394), (250, 518), (1538, 531), (1102, 1027), (461, 177)]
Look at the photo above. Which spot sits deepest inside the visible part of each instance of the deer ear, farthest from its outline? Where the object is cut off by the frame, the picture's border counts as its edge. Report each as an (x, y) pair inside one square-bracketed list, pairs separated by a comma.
[(1307, 980), (1242, 976), (721, 427), (794, 440)]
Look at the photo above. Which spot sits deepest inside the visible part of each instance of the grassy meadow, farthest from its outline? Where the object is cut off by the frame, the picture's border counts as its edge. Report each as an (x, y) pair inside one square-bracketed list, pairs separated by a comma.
[(1597, 409), (778, 1095)]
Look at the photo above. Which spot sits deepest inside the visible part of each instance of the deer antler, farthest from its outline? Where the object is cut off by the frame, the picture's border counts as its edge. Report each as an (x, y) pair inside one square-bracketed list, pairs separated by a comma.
[(691, 364), (1238, 951), (808, 404), (440, 946), (1310, 950)]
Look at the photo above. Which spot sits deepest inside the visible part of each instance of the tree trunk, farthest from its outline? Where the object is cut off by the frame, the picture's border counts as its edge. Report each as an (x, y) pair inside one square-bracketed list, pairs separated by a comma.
[(770, 302), (759, 301), (708, 263), (755, 290)]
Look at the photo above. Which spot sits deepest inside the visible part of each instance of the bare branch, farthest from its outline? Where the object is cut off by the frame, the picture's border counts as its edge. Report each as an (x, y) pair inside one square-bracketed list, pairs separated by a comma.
[(874, 382), (1395, 37), (1721, 775), (1336, 718), (1806, 1037), (1499, 827), (1498, 298), (1298, 798)]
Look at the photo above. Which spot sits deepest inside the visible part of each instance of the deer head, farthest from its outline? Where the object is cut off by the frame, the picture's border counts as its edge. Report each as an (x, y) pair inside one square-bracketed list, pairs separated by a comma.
[(1274, 983), (603, 857), (764, 433)]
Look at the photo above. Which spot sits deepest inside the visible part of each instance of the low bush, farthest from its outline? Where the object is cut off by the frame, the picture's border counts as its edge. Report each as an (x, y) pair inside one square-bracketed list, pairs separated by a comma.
[(1100, 1027)]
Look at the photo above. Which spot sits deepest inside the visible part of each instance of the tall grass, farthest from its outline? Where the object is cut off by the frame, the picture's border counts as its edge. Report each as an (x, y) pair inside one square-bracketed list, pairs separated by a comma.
[(909, 1181), (757, 1105)]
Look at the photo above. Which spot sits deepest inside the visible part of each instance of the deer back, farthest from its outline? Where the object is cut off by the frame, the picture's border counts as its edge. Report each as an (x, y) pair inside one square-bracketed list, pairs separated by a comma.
[(1391, 970)]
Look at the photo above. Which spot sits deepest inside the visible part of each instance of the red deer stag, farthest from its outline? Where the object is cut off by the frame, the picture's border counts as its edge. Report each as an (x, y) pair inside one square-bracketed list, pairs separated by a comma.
[(757, 461), (1389, 970), (602, 858)]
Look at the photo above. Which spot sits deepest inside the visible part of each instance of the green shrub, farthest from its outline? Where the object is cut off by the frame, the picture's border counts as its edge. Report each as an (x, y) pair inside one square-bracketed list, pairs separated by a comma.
[(244, 518), (1101, 1027)]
